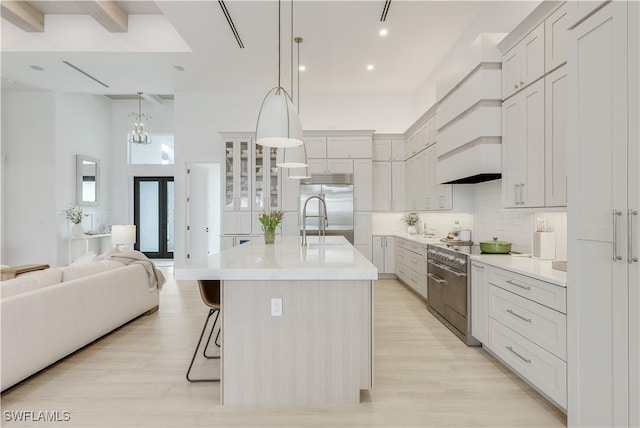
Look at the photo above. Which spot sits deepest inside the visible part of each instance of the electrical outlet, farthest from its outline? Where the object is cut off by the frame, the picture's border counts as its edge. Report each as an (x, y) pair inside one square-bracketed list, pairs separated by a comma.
[(276, 307)]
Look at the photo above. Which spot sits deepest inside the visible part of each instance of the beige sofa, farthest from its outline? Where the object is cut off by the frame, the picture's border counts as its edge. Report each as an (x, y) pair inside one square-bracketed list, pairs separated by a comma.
[(49, 314)]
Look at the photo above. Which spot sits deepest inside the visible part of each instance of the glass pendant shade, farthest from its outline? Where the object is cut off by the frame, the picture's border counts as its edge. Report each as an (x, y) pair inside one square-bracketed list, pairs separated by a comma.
[(293, 157), (278, 122)]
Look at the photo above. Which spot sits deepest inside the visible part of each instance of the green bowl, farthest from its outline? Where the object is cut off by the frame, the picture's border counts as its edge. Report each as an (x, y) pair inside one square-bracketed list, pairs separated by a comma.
[(495, 247)]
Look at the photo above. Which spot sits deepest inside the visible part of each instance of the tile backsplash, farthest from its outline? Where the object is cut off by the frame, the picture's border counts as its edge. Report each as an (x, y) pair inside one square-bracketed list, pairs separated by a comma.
[(513, 225), (488, 220)]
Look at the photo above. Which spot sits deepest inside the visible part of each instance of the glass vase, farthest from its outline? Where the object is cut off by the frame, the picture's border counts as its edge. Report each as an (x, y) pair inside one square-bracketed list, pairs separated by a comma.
[(269, 236)]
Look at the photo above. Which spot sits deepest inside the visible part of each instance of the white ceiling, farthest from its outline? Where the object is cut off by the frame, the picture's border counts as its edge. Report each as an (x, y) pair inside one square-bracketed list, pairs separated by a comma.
[(340, 39)]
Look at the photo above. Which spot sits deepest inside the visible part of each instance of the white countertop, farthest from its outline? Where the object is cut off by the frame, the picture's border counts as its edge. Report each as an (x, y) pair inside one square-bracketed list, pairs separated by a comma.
[(539, 269), (422, 239), (323, 258)]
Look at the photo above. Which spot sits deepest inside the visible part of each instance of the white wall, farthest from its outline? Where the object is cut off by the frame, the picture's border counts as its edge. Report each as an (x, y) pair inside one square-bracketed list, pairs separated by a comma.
[(83, 127), (41, 134), (28, 187)]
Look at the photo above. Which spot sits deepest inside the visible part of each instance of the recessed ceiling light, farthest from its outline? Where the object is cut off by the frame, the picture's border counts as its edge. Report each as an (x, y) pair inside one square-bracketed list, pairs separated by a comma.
[(36, 67), (302, 68), (178, 67), (383, 32), (370, 67)]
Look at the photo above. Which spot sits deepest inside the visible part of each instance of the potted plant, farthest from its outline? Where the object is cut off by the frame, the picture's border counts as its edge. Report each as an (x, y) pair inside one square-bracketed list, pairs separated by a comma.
[(270, 221), (411, 219), (74, 215)]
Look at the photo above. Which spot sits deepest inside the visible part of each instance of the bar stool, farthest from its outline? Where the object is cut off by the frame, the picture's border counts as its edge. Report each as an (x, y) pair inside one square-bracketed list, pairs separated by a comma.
[(210, 294)]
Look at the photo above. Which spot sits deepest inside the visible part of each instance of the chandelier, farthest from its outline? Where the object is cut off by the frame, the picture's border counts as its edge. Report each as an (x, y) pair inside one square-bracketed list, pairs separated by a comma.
[(138, 135)]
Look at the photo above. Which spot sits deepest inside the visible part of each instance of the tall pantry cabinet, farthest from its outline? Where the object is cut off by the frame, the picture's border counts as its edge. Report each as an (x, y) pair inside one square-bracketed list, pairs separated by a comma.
[(603, 294)]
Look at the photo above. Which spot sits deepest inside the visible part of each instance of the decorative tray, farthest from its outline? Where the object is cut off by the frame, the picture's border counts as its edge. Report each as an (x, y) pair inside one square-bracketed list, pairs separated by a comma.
[(458, 243)]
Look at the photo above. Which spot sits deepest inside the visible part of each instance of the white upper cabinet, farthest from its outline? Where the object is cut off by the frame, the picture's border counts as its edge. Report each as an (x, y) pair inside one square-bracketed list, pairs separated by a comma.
[(237, 181), (316, 147), (524, 63), (555, 38), (556, 138), (389, 150), (339, 166), (317, 166), (398, 186), (349, 147), (382, 186), (523, 148), (579, 10), (362, 189), (381, 150), (398, 152)]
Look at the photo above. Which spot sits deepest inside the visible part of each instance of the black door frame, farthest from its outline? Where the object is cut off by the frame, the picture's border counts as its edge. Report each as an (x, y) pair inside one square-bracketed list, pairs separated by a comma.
[(162, 210)]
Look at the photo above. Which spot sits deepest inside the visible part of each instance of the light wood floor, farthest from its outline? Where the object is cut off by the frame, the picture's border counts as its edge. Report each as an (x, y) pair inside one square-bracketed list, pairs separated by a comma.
[(425, 377)]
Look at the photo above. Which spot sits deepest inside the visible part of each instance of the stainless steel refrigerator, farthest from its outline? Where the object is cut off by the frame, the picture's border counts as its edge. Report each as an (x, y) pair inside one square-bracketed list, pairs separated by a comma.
[(337, 192)]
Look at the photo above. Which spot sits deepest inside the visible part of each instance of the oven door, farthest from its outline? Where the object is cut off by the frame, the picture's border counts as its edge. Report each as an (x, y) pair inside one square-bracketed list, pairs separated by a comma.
[(451, 294), (435, 284)]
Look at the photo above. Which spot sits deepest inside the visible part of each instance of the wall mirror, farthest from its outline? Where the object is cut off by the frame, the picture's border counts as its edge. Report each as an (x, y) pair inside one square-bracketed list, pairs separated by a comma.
[(87, 181)]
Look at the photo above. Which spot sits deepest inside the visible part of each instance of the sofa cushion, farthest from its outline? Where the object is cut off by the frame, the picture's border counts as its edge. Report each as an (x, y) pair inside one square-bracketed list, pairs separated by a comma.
[(72, 272), (30, 281), (90, 257)]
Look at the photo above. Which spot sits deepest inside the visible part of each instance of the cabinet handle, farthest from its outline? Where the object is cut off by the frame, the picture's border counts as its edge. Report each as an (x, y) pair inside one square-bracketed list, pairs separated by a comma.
[(518, 315), (630, 214), (521, 194), (515, 86), (521, 82), (616, 214), (526, 360), (524, 287)]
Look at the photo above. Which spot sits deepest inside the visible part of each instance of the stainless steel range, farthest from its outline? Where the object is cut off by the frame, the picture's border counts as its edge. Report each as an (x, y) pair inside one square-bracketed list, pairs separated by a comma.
[(449, 283)]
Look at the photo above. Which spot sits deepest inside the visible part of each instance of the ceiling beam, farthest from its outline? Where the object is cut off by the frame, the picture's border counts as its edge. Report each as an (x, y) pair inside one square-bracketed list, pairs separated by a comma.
[(23, 15), (154, 99), (108, 14)]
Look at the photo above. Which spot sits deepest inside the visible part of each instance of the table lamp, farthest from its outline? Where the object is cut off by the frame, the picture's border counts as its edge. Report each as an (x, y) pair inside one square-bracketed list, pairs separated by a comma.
[(122, 235)]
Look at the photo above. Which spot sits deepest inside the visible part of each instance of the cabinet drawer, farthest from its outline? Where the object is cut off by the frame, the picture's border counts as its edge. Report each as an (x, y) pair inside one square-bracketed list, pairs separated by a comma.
[(539, 324), (413, 246), (540, 368), (412, 279), (546, 294)]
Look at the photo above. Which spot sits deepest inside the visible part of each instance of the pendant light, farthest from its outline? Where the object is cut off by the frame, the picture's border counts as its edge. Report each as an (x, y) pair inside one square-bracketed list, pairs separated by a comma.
[(138, 135), (278, 123), (295, 158)]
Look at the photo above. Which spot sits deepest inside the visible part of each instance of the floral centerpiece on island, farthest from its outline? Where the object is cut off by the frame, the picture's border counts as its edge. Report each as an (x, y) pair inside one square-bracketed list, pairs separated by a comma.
[(411, 219), (270, 221)]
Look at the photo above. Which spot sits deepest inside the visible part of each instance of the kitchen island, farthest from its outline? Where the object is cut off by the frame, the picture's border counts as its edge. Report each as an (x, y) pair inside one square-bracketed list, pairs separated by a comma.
[(320, 349)]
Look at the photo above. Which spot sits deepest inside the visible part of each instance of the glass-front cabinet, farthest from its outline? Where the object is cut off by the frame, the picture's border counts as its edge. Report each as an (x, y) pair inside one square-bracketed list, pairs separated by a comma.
[(237, 174), (266, 194)]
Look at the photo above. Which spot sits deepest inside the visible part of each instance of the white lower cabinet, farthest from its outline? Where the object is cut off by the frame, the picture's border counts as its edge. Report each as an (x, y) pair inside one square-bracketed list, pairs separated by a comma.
[(538, 367), (479, 315), (411, 265), (227, 242), (362, 233), (522, 321), (384, 254), (236, 222)]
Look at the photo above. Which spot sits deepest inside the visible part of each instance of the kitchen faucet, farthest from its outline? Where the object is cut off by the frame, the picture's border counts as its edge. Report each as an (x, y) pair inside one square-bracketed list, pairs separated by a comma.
[(322, 224)]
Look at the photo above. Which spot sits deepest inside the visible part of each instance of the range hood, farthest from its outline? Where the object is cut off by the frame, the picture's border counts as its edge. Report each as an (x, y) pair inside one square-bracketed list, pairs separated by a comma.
[(469, 117)]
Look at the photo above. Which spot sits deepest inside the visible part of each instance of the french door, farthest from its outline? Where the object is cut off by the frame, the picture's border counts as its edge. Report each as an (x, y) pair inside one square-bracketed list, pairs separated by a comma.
[(153, 216)]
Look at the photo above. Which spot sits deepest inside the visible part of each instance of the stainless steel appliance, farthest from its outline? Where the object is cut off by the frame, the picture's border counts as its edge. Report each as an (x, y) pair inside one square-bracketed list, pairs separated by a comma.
[(449, 283), (336, 190)]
